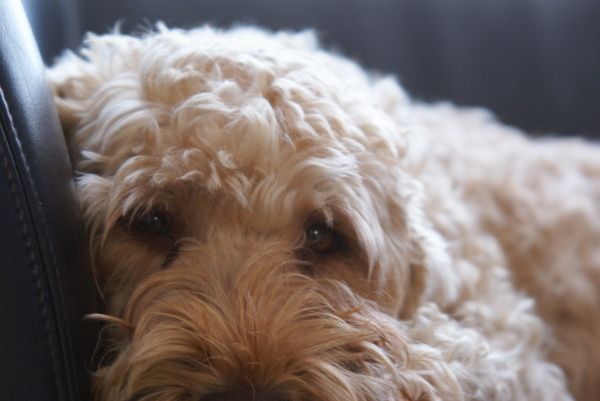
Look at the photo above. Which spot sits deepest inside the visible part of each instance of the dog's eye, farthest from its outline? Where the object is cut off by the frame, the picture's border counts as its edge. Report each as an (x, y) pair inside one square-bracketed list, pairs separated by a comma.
[(320, 239), (152, 223)]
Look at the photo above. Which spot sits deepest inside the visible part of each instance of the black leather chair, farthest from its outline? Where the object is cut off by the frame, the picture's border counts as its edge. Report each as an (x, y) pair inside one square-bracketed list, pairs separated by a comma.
[(534, 63), (46, 286)]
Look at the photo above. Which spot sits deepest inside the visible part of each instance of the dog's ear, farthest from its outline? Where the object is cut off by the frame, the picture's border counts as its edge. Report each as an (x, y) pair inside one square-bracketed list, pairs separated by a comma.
[(71, 86), (76, 77), (81, 84), (430, 268), (415, 263)]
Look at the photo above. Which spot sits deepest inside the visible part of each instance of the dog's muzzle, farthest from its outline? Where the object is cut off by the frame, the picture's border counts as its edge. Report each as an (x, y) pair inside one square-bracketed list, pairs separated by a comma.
[(263, 334)]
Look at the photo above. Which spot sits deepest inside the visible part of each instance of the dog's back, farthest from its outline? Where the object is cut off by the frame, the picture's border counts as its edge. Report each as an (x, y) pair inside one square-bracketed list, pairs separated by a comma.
[(539, 201)]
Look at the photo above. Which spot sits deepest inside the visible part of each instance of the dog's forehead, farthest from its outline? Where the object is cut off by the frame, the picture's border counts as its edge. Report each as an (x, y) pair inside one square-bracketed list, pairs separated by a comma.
[(253, 105), (305, 179), (229, 119)]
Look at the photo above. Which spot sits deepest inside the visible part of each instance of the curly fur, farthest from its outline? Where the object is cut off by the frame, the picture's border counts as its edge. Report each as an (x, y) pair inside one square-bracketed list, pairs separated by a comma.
[(467, 257)]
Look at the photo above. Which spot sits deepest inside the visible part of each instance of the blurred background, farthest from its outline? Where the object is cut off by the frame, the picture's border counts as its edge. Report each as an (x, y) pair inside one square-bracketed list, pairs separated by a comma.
[(534, 63)]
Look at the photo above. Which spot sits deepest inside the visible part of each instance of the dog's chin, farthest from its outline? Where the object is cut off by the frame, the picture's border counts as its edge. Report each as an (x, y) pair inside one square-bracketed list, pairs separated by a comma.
[(285, 337)]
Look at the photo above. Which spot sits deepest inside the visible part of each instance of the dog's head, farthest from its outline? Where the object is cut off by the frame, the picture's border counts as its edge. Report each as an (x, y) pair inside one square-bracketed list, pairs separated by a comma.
[(203, 153)]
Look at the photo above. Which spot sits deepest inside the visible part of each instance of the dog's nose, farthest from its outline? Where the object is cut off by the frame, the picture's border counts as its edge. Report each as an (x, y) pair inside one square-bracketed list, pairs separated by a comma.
[(244, 395)]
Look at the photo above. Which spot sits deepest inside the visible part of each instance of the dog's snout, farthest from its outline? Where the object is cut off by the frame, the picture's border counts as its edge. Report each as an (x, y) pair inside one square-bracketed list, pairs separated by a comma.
[(244, 394)]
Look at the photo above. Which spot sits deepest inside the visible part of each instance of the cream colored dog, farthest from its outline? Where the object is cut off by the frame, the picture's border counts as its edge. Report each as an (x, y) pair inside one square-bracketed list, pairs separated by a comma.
[(269, 222)]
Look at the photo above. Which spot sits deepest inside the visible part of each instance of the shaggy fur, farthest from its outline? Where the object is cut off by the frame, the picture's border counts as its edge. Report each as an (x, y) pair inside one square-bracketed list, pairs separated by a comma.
[(269, 222)]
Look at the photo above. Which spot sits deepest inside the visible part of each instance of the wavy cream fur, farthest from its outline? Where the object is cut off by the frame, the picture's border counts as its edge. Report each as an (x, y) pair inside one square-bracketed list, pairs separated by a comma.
[(469, 264)]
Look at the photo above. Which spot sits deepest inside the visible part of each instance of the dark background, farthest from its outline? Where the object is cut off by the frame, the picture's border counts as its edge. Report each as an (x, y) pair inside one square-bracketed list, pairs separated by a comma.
[(535, 63)]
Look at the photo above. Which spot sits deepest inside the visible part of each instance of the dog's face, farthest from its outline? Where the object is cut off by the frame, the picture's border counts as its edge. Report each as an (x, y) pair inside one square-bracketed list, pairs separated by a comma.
[(236, 187)]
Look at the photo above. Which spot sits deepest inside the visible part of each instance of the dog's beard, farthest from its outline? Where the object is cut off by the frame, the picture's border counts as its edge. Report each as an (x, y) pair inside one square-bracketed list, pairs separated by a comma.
[(267, 334)]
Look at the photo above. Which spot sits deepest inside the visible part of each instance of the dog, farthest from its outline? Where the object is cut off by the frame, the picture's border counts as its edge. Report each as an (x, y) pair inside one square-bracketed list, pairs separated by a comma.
[(268, 221)]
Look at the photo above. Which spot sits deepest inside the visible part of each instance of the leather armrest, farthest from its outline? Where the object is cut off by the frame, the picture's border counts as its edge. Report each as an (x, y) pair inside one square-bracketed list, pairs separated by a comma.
[(46, 286)]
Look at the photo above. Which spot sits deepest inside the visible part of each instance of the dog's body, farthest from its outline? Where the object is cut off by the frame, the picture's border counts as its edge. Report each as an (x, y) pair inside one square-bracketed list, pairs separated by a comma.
[(269, 222)]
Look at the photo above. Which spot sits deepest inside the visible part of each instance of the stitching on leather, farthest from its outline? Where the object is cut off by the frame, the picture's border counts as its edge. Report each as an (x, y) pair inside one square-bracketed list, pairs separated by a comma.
[(31, 254)]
